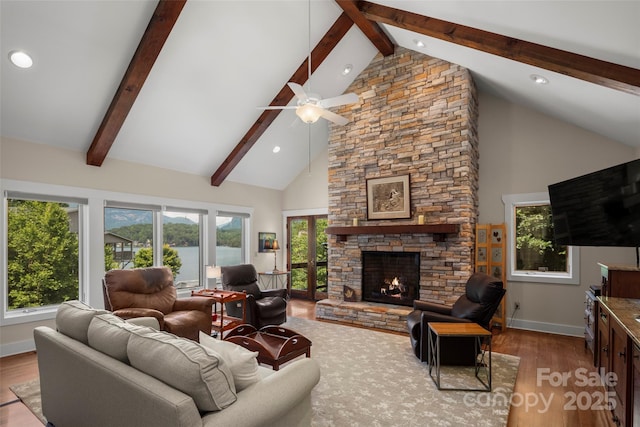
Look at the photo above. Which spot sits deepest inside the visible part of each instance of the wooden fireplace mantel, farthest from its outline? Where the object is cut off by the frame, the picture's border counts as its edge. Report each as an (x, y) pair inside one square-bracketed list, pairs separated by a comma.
[(439, 231)]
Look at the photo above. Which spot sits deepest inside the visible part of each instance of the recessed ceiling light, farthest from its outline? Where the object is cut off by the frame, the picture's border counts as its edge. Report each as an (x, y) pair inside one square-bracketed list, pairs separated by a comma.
[(419, 43), (276, 149), (347, 69), (538, 79), (20, 59)]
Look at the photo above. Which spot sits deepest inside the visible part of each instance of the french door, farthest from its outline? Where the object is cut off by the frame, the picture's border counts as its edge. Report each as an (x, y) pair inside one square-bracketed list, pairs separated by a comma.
[(307, 256)]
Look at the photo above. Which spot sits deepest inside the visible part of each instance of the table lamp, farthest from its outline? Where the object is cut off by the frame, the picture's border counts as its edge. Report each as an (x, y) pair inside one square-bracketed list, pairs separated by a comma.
[(275, 247), (213, 272)]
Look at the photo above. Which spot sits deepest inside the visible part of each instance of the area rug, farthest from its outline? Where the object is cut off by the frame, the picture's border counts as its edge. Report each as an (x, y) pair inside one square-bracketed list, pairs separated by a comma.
[(370, 378), (29, 394)]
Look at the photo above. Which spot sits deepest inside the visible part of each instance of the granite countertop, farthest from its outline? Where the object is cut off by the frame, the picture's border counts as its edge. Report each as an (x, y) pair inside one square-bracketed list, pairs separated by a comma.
[(625, 310)]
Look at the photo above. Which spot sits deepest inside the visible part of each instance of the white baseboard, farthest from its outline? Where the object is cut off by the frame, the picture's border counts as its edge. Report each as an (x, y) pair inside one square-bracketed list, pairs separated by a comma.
[(552, 328), (12, 348)]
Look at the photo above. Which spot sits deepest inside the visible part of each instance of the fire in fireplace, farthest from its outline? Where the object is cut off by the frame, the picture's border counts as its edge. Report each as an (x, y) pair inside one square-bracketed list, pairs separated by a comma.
[(390, 277)]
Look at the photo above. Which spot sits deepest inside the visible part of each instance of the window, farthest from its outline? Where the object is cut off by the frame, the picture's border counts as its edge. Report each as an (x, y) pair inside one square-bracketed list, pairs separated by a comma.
[(181, 245), (230, 238), (130, 243), (533, 255), (45, 250)]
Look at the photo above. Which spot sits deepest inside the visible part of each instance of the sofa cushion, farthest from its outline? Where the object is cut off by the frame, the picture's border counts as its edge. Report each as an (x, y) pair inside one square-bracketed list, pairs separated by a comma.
[(184, 365), (242, 362), (73, 319), (109, 334)]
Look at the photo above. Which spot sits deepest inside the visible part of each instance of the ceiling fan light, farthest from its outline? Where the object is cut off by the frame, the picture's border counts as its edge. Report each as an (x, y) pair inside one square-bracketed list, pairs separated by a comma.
[(309, 113)]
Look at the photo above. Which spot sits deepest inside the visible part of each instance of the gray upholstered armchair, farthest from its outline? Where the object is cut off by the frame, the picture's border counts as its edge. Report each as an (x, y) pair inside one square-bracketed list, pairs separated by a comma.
[(264, 307), (149, 292)]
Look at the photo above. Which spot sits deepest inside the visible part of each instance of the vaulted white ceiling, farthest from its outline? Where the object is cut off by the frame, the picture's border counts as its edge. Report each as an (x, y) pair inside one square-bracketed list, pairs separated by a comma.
[(223, 59)]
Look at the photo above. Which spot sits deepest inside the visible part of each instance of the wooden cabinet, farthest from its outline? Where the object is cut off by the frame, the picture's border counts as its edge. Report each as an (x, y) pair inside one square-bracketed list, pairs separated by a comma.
[(603, 339), (620, 280), (635, 390), (619, 362), (590, 323), (619, 355)]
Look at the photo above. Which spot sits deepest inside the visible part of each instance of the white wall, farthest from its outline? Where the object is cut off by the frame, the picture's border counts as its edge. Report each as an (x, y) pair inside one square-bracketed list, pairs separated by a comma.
[(35, 163), (310, 189), (522, 151)]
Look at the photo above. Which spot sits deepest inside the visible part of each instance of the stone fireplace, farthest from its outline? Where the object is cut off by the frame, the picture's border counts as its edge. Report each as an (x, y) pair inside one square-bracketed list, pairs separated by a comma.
[(417, 116)]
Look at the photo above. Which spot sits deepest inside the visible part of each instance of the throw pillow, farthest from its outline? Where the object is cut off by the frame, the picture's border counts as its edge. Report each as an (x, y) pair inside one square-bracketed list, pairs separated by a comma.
[(73, 319), (186, 366), (242, 362), (109, 334)]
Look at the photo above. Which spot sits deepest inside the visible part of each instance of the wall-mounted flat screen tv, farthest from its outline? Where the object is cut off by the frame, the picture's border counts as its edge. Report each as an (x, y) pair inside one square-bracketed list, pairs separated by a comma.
[(598, 209)]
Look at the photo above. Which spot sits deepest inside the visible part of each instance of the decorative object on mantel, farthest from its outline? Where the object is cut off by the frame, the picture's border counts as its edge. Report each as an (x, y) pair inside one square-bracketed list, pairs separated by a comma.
[(491, 258), (265, 241), (349, 294), (388, 198), (420, 219), (439, 231)]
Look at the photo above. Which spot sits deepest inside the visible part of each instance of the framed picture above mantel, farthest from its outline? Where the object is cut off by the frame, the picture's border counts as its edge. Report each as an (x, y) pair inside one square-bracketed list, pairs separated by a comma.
[(388, 198)]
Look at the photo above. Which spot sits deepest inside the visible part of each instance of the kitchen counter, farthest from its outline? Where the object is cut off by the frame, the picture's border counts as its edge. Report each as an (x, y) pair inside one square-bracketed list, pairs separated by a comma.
[(625, 310)]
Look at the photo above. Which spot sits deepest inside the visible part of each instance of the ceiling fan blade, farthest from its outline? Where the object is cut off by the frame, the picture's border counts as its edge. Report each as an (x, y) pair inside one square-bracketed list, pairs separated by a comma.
[(292, 107), (298, 91), (335, 118), (347, 98)]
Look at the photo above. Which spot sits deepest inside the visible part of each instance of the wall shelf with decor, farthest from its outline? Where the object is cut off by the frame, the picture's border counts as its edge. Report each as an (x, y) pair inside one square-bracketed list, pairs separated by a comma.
[(439, 231), (491, 258)]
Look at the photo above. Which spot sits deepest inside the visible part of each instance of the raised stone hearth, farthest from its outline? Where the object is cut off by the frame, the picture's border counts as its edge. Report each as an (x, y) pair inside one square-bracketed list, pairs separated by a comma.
[(417, 116)]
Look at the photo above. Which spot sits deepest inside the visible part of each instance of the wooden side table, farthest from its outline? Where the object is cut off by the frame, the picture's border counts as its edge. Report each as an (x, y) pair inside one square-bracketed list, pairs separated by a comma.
[(437, 330), (223, 323)]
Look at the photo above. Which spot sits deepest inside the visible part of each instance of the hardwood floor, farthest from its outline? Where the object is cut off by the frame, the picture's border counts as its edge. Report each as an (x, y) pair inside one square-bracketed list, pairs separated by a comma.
[(537, 400)]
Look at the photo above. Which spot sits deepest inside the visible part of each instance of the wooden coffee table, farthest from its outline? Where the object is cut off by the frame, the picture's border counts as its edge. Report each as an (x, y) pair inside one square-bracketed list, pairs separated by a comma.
[(275, 345)]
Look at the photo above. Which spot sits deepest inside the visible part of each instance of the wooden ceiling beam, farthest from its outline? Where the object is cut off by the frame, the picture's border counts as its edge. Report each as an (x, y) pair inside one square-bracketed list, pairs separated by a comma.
[(162, 21), (372, 30), (300, 76), (607, 74)]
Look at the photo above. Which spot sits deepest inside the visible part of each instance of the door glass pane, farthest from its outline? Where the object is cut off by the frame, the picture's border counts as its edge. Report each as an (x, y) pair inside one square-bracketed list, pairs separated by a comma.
[(229, 232), (128, 238), (181, 247), (321, 255), (42, 253), (299, 247)]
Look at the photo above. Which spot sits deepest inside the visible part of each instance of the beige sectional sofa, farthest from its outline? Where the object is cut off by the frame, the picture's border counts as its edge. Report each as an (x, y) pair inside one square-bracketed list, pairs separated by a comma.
[(97, 370)]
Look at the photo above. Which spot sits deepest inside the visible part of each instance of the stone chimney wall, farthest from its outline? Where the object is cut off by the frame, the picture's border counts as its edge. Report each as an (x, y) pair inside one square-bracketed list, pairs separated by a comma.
[(417, 115)]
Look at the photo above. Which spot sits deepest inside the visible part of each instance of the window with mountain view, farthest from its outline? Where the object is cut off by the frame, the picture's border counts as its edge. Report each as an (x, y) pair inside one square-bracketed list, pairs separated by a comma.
[(129, 241), (44, 252), (230, 237)]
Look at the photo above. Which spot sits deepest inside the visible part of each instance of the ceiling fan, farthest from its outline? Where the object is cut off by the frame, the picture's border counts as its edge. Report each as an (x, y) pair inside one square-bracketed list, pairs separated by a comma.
[(310, 106)]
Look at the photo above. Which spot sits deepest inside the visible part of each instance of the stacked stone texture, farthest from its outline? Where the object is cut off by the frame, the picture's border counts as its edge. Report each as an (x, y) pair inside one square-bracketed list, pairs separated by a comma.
[(417, 115)]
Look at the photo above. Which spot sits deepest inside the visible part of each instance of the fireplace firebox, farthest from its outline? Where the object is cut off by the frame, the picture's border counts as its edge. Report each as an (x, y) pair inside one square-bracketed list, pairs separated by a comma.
[(390, 277)]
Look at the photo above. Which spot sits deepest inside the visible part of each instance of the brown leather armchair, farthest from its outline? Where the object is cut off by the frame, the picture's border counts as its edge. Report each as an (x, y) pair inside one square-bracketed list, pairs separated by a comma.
[(149, 292), (483, 294), (264, 307)]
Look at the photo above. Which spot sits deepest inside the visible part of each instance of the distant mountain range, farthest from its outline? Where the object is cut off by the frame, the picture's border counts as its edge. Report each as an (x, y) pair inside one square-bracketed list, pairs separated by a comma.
[(115, 218)]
